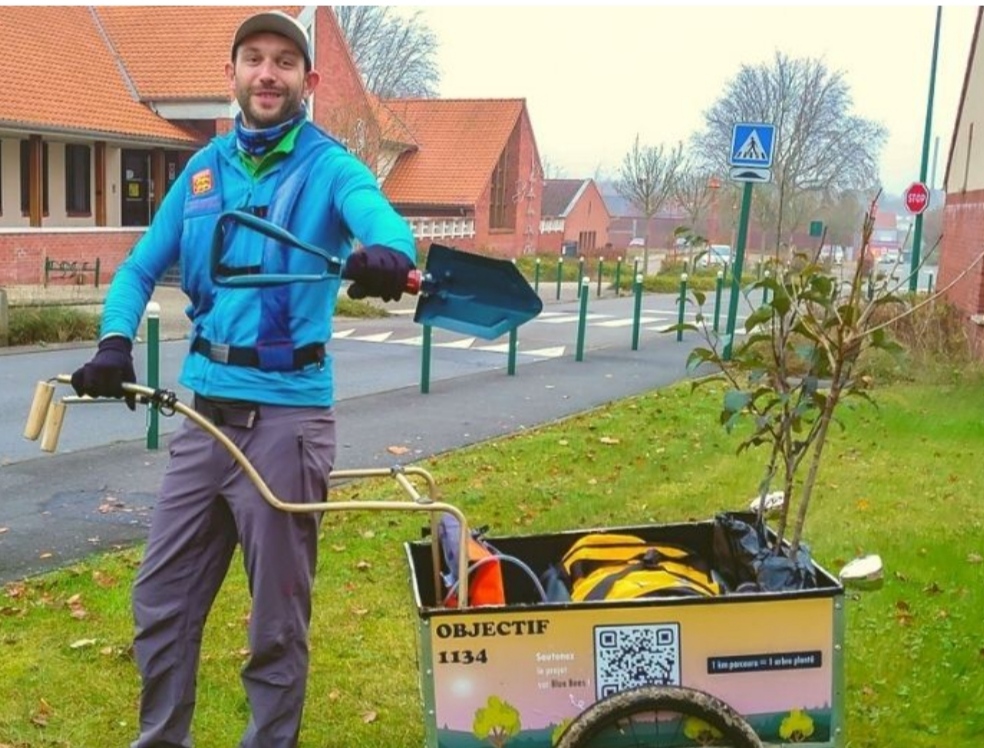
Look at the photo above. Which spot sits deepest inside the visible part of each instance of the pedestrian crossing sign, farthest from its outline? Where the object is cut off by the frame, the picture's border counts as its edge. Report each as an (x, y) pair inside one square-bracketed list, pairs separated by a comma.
[(752, 144)]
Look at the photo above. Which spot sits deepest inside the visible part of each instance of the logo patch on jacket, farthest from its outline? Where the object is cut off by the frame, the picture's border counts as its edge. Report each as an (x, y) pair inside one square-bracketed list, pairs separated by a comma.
[(201, 182)]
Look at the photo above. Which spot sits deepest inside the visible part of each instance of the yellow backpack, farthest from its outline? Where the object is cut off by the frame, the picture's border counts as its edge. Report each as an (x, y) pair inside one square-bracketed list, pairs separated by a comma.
[(611, 566)]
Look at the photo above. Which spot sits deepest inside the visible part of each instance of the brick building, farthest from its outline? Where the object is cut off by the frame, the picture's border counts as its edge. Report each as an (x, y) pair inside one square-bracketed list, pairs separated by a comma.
[(962, 250)]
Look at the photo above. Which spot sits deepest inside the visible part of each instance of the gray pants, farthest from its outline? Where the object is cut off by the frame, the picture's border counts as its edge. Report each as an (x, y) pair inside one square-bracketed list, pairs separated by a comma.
[(206, 506)]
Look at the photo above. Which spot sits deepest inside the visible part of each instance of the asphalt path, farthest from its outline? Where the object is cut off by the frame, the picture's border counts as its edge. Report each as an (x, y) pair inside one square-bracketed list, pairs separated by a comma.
[(96, 492)]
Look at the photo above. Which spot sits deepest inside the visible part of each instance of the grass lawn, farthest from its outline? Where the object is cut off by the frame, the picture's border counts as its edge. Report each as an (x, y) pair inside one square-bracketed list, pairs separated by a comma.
[(904, 480)]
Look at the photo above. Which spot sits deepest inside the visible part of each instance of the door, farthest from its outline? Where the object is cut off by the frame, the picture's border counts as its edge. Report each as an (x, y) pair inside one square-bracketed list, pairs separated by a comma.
[(135, 178)]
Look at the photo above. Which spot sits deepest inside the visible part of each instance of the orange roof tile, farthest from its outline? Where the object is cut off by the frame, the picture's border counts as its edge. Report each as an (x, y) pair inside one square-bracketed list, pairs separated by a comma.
[(460, 142), (390, 126), (61, 75), (176, 52)]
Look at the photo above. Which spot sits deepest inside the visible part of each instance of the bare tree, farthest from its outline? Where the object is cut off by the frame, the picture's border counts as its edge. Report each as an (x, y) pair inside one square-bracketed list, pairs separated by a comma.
[(821, 146), (646, 179), (394, 54), (693, 193)]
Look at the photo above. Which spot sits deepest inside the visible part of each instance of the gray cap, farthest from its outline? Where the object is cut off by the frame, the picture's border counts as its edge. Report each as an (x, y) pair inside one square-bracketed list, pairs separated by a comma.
[(275, 22)]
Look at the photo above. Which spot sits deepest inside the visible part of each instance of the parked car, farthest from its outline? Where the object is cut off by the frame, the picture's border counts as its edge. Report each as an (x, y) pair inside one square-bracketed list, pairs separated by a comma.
[(638, 242), (890, 257), (715, 254)]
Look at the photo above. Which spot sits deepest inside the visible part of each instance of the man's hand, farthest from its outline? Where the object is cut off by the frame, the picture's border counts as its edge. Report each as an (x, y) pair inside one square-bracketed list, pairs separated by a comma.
[(105, 374), (377, 271)]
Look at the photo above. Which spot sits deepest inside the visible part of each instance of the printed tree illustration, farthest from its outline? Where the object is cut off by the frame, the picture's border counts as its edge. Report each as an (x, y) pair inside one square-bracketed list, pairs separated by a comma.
[(797, 727), (559, 730), (497, 722), (699, 731)]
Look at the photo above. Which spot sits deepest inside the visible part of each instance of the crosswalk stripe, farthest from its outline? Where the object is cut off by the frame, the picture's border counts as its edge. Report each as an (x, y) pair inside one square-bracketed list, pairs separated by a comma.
[(563, 318), (381, 337), (463, 343), (342, 333), (626, 322), (555, 352)]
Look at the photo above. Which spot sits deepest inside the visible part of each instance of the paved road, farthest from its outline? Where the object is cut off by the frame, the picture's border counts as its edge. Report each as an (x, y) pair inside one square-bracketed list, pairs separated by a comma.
[(97, 491)]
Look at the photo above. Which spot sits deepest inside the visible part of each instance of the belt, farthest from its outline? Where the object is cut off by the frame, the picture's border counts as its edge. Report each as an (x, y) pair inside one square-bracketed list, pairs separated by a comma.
[(238, 413), (267, 358)]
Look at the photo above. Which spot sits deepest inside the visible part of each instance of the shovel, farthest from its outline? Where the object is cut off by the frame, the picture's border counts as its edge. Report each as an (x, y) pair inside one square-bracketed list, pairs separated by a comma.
[(458, 291)]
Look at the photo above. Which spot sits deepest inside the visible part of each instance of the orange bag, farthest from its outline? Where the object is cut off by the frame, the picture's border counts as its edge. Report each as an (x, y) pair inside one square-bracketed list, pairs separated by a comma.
[(485, 586)]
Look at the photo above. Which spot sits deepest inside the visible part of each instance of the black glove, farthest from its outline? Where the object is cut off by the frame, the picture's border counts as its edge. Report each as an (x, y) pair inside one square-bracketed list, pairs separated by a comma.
[(104, 375), (377, 271)]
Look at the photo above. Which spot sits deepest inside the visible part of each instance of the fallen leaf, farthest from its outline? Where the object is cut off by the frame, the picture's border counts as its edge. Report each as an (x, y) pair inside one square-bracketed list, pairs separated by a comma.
[(369, 717), (563, 442), (397, 450), (360, 611), (363, 566), (932, 589), (334, 695), (369, 534), (974, 558), (15, 590), (2, 531), (41, 715), (82, 643), (46, 554), (608, 440), (102, 579)]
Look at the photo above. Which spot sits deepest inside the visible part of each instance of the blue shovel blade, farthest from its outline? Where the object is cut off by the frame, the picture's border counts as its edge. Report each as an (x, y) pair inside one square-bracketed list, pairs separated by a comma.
[(474, 295)]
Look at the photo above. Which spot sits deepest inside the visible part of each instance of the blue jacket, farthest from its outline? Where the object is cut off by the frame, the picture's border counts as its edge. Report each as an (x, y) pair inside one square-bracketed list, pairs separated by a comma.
[(339, 199)]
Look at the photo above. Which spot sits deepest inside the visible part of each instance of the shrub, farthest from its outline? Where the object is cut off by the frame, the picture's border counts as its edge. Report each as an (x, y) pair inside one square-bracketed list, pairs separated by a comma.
[(31, 325)]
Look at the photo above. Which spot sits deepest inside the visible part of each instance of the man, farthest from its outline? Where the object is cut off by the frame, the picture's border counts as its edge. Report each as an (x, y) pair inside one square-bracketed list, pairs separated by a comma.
[(259, 370)]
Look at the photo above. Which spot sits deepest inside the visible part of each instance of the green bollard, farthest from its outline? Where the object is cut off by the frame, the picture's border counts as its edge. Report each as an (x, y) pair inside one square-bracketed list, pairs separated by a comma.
[(580, 277), (513, 345), (765, 289), (536, 276), (929, 288), (618, 277), (601, 273), (583, 319), (425, 361), (719, 285), (153, 370), (97, 273), (560, 274), (682, 304), (637, 313)]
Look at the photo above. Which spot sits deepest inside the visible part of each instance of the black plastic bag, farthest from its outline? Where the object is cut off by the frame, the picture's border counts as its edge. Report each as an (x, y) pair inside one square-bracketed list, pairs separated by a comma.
[(747, 562)]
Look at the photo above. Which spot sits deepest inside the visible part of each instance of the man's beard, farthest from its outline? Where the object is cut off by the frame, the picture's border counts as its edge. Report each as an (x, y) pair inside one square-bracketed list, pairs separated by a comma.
[(255, 119)]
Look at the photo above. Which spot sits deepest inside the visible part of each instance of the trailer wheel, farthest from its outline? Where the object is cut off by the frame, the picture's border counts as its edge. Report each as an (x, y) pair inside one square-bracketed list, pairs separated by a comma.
[(656, 716)]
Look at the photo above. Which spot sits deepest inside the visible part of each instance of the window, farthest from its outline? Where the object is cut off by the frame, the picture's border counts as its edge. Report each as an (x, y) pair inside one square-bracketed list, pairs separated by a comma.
[(25, 176), (78, 191), (502, 211)]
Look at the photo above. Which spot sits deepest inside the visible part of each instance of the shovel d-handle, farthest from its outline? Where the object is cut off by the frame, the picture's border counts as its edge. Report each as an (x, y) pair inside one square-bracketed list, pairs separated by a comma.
[(50, 413), (252, 278)]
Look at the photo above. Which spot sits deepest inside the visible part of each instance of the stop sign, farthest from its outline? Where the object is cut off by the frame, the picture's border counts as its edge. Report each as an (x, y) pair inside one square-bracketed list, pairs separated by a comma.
[(916, 197)]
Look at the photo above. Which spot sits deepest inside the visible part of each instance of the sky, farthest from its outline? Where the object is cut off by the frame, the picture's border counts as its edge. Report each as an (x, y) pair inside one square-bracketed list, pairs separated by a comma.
[(595, 76)]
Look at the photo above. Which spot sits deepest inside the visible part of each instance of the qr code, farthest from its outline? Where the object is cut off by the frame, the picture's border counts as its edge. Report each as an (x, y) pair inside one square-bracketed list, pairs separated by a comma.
[(630, 656)]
